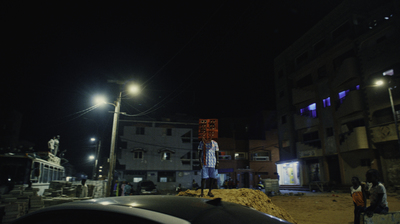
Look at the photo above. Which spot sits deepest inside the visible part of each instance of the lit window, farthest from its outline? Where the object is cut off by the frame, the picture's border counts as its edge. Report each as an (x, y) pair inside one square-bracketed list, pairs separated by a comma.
[(327, 102), (388, 72), (166, 156), (309, 111)]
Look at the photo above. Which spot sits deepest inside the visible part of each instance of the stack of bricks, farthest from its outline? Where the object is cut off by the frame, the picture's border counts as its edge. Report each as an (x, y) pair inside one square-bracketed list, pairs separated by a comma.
[(208, 128), (14, 205)]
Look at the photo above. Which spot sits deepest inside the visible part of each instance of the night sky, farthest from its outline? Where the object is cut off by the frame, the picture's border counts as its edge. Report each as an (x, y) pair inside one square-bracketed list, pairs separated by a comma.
[(209, 59)]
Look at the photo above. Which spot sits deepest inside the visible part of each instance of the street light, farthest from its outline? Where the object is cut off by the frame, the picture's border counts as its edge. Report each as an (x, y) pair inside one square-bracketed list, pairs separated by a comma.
[(133, 89), (379, 83)]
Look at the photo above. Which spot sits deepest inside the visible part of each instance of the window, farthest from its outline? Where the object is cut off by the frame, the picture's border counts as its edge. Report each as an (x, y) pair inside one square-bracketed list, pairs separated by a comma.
[(140, 130), (240, 155), (223, 155), (187, 137), (309, 111), (261, 156), (365, 162), (138, 155), (165, 156), (281, 94), (166, 176), (343, 94), (305, 81), (322, 72), (137, 179), (388, 72), (326, 102)]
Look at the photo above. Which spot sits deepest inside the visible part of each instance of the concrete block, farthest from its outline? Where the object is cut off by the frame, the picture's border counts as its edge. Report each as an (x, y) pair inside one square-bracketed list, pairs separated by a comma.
[(389, 218)]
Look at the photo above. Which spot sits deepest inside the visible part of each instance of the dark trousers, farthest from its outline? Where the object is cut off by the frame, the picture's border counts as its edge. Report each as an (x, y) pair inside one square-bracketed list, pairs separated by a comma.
[(358, 210)]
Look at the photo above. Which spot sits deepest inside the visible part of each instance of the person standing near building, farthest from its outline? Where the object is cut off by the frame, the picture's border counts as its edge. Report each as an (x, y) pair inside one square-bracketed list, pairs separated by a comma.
[(208, 158)]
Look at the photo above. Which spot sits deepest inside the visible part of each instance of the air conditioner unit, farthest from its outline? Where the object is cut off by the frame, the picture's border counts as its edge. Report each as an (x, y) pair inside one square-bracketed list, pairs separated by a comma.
[(261, 158)]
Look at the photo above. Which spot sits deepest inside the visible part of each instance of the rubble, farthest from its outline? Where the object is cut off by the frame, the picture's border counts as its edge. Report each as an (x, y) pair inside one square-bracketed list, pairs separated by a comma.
[(248, 197)]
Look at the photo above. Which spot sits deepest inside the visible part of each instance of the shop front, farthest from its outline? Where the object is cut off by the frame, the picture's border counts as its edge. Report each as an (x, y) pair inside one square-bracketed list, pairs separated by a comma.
[(288, 172)]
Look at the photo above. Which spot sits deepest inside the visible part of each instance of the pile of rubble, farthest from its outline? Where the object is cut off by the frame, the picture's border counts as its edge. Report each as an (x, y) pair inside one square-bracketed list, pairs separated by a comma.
[(248, 197)]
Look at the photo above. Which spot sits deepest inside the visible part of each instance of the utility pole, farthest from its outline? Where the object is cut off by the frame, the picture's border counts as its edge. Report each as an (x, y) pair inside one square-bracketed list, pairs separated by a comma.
[(113, 143)]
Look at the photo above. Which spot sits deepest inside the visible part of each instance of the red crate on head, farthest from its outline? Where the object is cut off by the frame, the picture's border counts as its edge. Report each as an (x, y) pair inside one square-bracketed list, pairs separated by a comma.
[(208, 128)]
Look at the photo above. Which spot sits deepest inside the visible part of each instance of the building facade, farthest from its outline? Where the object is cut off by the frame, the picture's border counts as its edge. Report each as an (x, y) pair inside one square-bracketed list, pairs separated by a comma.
[(164, 152), (334, 122)]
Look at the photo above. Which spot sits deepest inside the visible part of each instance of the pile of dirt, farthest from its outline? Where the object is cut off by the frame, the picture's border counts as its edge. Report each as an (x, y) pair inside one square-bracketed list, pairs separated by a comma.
[(248, 197)]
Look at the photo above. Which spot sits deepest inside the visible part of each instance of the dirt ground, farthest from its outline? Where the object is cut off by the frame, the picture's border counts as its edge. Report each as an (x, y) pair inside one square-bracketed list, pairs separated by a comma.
[(296, 207)]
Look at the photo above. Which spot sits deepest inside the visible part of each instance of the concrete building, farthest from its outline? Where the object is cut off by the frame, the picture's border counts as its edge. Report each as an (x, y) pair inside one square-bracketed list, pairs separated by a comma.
[(159, 151), (333, 122), (165, 152)]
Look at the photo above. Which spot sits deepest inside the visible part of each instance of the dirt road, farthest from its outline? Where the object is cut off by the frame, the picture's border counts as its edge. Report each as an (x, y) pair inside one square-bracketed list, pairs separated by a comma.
[(324, 208)]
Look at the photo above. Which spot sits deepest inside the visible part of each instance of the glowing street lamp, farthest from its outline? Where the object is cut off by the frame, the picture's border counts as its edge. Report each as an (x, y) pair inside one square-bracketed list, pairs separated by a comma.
[(134, 89)]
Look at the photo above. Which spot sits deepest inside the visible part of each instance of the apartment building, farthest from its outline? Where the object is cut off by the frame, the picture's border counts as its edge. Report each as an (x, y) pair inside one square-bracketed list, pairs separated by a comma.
[(165, 151), (334, 122)]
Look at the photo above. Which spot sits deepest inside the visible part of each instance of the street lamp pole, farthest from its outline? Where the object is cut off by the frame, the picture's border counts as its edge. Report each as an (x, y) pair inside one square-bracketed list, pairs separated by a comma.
[(113, 142), (394, 115)]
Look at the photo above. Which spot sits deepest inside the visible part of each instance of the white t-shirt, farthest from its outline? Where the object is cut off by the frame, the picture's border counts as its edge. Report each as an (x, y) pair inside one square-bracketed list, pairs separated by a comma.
[(374, 191)]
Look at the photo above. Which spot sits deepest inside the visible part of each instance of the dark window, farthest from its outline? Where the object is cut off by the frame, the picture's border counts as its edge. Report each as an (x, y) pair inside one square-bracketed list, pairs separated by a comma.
[(168, 132), (305, 81), (365, 162), (138, 155), (322, 72), (140, 130), (337, 62), (123, 145), (281, 94)]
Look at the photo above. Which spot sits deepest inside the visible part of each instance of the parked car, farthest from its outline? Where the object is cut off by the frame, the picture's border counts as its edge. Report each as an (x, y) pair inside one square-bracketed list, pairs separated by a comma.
[(146, 187), (148, 209)]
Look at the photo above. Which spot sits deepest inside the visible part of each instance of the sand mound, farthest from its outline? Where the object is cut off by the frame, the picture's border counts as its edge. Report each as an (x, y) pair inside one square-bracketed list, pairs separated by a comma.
[(248, 197)]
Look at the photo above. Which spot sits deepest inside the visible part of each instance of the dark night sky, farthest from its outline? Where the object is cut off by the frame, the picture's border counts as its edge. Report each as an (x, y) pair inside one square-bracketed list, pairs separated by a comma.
[(207, 59)]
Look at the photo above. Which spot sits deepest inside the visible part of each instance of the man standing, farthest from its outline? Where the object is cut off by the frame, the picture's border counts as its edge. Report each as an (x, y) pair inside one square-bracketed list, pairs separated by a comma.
[(208, 158), (50, 144)]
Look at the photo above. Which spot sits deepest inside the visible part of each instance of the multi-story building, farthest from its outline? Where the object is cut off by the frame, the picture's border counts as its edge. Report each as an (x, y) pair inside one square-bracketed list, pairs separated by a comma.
[(333, 121), (166, 153)]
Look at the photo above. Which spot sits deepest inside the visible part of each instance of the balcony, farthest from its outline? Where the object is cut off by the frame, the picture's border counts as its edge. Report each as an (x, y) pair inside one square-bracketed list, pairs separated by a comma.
[(357, 139), (304, 151), (384, 133), (347, 71), (301, 95), (351, 104), (304, 121)]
